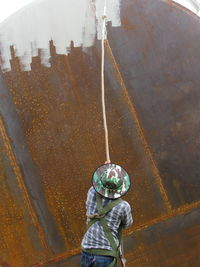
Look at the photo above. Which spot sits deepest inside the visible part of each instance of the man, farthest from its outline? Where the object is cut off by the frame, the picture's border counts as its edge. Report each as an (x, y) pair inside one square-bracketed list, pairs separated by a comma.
[(107, 214)]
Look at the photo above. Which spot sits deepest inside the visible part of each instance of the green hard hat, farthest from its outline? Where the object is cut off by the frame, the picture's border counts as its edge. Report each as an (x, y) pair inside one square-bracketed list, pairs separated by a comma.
[(111, 181)]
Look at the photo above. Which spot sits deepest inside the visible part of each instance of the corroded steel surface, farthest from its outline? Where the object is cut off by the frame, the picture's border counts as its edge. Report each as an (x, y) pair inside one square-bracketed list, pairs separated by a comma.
[(164, 243), (51, 140)]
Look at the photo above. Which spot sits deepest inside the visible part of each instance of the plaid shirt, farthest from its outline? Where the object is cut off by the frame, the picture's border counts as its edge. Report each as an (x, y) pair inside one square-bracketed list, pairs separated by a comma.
[(95, 237)]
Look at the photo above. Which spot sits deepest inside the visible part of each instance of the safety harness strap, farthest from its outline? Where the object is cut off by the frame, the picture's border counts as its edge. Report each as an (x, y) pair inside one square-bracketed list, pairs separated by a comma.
[(102, 211)]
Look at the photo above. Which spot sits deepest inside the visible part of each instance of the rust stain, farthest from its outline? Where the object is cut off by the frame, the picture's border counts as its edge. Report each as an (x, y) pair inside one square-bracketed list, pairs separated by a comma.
[(4, 264), (59, 257), (22, 186), (73, 81), (127, 26), (138, 125), (175, 212)]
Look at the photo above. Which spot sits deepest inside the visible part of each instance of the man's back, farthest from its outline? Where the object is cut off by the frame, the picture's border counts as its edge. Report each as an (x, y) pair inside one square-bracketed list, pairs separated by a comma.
[(120, 214)]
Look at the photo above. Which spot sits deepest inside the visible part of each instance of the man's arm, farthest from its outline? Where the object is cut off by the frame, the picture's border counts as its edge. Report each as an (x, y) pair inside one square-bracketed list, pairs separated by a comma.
[(90, 203), (127, 218)]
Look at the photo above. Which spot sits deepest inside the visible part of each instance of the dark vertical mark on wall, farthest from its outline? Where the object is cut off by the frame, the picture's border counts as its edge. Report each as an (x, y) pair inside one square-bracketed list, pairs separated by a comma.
[(27, 169)]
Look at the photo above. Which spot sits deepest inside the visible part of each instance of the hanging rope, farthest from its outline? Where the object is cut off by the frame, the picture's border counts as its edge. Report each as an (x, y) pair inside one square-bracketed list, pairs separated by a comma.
[(104, 33), (104, 36)]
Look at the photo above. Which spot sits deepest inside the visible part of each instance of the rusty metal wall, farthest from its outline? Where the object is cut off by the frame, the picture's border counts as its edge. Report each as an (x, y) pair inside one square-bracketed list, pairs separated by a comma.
[(51, 140)]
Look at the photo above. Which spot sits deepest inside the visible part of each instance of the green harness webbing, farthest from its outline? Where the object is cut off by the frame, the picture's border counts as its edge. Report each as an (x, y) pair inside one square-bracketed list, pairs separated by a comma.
[(102, 211)]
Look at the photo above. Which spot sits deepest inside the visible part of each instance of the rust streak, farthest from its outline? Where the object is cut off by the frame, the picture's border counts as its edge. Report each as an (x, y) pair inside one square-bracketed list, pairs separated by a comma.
[(176, 212), (22, 186), (138, 125), (73, 81), (59, 257)]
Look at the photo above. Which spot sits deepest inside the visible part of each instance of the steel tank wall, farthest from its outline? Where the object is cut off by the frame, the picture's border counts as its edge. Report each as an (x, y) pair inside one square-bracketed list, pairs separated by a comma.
[(51, 140)]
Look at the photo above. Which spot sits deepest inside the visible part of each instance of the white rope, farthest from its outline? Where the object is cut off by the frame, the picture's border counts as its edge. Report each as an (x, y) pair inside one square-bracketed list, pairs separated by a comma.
[(103, 83), (104, 33)]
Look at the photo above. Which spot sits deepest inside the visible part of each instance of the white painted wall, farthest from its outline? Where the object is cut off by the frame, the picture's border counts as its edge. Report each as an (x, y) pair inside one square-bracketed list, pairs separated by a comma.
[(33, 26)]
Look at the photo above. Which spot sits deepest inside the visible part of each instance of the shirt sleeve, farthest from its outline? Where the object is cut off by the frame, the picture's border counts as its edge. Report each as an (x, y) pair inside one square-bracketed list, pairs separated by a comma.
[(90, 203), (127, 218)]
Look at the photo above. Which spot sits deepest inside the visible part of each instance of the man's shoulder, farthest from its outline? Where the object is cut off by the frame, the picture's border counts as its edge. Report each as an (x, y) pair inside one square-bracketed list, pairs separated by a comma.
[(124, 204), (91, 190)]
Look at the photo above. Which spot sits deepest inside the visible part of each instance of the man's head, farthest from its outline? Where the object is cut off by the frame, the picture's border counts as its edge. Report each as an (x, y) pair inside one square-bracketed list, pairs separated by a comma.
[(111, 181)]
